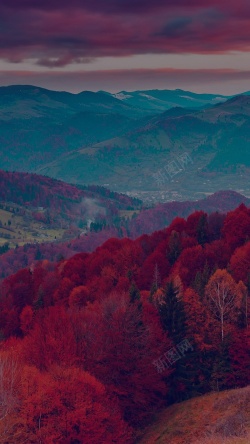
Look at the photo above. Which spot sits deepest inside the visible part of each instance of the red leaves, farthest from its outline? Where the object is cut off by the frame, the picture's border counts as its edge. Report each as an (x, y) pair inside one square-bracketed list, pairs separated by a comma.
[(65, 406), (87, 352), (147, 272), (189, 263), (240, 359), (79, 296), (236, 228), (196, 316), (119, 350), (240, 263), (52, 340), (26, 319)]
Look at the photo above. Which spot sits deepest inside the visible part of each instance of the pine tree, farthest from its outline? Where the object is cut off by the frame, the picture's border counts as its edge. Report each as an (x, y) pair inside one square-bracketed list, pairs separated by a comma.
[(157, 277), (221, 367), (39, 302), (172, 314), (173, 320), (201, 280), (243, 309), (156, 281), (134, 293), (38, 254), (202, 230), (174, 247)]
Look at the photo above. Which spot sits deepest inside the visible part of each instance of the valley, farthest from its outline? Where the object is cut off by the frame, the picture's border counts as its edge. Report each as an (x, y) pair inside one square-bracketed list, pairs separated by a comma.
[(216, 141), (36, 209), (23, 229), (126, 142), (121, 220), (124, 222), (188, 186)]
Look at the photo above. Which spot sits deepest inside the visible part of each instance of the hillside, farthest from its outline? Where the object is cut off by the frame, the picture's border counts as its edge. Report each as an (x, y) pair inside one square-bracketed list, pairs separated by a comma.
[(48, 124), (161, 215), (144, 331), (74, 232), (34, 209), (182, 152), (150, 143), (45, 124), (217, 418)]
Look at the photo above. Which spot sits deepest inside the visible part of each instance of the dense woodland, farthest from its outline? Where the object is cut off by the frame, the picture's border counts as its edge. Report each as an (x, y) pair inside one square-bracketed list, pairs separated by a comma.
[(63, 202), (13, 259), (90, 346), (37, 190), (72, 206)]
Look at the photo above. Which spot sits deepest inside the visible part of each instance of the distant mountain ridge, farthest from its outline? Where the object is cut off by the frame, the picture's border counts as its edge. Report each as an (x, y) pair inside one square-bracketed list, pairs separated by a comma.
[(46, 124), (161, 100), (122, 140), (161, 215), (216, 139)]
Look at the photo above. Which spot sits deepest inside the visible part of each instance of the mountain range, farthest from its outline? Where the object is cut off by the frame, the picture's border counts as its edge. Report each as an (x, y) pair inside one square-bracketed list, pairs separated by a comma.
[(180, 150), (169, 141), (161, 100)]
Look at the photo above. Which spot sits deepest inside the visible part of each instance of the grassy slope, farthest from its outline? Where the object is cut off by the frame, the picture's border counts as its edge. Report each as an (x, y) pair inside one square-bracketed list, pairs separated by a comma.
[(216, 418), (216, 138), (26, 229)]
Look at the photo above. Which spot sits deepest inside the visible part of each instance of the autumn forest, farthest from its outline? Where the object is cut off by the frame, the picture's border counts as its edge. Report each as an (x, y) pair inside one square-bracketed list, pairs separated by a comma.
[(93, 346), (124, 222)]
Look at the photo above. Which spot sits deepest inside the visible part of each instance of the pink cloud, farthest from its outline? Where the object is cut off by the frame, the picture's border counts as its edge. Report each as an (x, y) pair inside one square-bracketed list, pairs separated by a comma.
[(57, 33)]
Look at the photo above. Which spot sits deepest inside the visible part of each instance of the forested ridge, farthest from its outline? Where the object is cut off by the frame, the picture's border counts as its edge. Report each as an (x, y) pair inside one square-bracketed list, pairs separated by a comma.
[(79, 218), (61, 199), (93, 346)]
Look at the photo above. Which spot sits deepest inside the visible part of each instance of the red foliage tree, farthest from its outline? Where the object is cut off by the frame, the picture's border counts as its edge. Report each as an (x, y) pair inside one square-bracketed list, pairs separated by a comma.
[(52, 340), (66, 406), (240, 263), (120, 350), (236, 228)]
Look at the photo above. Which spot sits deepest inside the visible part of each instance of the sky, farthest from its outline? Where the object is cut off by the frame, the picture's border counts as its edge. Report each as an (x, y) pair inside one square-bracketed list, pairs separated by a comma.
[(114, 45)]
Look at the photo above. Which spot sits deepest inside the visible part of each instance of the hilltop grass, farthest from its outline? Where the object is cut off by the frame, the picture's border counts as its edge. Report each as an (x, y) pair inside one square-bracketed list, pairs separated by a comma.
[(216, 418), (25, 230)]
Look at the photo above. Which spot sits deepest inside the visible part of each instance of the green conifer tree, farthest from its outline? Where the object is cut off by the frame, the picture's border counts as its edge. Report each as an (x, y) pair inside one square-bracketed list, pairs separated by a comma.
[(202, 230), (134, 293)]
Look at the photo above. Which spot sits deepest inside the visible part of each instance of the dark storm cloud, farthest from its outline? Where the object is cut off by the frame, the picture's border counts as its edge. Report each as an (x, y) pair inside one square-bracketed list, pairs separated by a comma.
[(57, 33), (176, 27), (114, 6), (120, 6)]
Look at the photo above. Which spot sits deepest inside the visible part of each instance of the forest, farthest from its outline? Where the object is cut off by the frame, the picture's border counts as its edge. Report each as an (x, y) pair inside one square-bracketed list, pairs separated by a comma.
[(67, 210), (93, 346), (62, 201)]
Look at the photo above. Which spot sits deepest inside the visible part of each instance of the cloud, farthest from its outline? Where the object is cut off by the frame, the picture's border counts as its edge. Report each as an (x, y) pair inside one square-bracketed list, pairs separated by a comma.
[(56, 33), (176, 27), (131, 7)]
